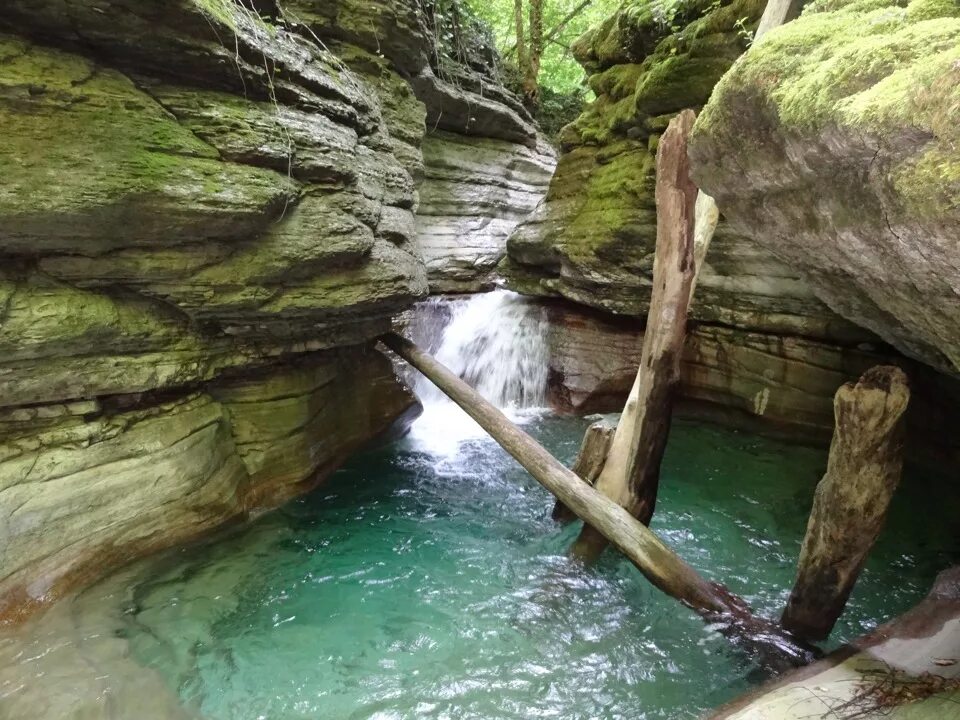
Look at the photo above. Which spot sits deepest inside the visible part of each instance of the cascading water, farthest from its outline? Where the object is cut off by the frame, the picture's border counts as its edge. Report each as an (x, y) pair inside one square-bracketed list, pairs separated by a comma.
[(496, 342)]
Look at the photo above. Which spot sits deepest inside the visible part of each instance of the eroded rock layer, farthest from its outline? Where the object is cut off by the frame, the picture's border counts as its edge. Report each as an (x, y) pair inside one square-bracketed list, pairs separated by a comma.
[(207, 216), (472, 198), (835, 144), (775, 384)]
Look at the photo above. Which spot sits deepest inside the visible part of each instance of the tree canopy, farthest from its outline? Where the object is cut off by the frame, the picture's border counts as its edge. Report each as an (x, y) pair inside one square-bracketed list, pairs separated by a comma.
[(563, 22)]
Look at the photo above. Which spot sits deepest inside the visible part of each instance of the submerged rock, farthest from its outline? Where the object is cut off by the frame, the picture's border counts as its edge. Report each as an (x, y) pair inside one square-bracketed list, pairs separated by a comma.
[(833, 143)]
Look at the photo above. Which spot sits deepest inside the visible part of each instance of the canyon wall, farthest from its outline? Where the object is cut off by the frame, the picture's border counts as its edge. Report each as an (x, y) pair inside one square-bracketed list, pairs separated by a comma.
[(765, 340), (208, 215)]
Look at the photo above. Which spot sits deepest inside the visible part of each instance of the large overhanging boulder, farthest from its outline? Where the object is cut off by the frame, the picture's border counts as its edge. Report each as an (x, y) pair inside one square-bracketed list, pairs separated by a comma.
[(835, 143)]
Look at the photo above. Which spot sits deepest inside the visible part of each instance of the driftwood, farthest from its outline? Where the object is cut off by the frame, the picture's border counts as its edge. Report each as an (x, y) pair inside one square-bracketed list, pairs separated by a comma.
[(631, 474), (589, 463), (851, 501), (658, 563)]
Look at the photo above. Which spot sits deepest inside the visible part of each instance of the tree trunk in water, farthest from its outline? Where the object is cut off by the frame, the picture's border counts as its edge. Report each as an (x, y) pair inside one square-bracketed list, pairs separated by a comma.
[(531, 78), (589, 463), (522, 58), (851, 501), (632, 472), (658, 563)]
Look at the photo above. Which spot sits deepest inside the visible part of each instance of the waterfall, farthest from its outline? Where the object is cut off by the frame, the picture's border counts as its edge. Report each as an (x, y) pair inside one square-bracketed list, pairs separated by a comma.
[(496, 342)]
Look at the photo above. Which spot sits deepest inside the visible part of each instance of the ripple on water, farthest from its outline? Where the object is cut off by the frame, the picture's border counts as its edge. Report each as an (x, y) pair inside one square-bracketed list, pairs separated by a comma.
[(407, 587)]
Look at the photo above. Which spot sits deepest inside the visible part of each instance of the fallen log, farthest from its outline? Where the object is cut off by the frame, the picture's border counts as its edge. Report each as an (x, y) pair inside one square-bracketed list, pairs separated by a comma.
[(659, 564), (631, 475), (851, 502)]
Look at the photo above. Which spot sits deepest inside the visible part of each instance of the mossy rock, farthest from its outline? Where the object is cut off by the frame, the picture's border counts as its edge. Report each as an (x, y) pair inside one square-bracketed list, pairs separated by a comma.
[(834, 142), (676, 66), (90, 162)]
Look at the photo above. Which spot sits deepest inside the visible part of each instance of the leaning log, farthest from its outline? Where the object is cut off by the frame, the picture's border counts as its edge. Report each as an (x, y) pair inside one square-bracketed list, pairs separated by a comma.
[(851, 502), (658, 563), (631, 475)]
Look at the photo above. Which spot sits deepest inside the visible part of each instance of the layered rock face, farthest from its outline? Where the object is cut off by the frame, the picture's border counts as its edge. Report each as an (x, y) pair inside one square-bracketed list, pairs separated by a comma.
[(764, 341), (835, 144), (207, 216), (473, 196), (592, 241), (776, 385)]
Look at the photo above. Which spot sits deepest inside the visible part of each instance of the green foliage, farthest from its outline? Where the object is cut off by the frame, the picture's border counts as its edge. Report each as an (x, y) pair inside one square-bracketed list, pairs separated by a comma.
[(559, 71), (558, 109), (461, 35)]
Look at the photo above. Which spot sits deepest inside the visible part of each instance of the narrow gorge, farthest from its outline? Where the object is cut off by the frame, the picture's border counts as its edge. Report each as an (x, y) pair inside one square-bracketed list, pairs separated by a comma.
[(219, 492)]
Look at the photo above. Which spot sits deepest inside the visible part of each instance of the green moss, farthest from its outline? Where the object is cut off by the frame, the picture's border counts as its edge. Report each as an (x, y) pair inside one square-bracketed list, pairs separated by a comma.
[(848, 66), (101, 148), (932, 9), (223, 11), (671, 70), (930, 185), (881, 70)]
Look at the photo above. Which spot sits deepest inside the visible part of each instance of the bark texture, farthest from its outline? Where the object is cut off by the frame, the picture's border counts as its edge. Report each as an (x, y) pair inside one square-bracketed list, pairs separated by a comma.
[(589, 463), (852, 499), (631, 475)]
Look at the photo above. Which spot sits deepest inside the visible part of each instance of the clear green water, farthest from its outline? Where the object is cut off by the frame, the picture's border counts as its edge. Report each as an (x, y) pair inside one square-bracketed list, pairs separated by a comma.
[(415, 587)]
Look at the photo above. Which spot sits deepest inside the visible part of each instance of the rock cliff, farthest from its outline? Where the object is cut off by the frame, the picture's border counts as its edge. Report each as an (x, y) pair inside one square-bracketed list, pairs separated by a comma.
[(207, 216), (593, 239)]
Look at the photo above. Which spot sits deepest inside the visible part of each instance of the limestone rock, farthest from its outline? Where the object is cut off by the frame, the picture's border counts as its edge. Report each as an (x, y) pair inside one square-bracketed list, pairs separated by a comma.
[(474, 194), (780, 384), (86, 488), (592, 240), (207, 217), (833, 144)]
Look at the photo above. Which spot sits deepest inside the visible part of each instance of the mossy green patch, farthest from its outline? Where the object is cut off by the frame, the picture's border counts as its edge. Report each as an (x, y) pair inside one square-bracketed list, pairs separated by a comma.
[(848, 66), (678, 68), (88, 158)]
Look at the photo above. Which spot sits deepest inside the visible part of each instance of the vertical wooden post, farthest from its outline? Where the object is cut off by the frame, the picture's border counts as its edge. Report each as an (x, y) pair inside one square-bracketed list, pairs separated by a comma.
[(852, 499), (632, 471), (776, 13), (589, 463)]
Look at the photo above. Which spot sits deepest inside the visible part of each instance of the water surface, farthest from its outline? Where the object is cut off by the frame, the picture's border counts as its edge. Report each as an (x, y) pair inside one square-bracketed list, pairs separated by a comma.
[(417, 585)]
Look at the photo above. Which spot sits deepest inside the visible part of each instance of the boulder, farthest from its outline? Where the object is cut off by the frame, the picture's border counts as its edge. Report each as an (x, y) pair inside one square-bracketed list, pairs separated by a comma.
[(833, 144)]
